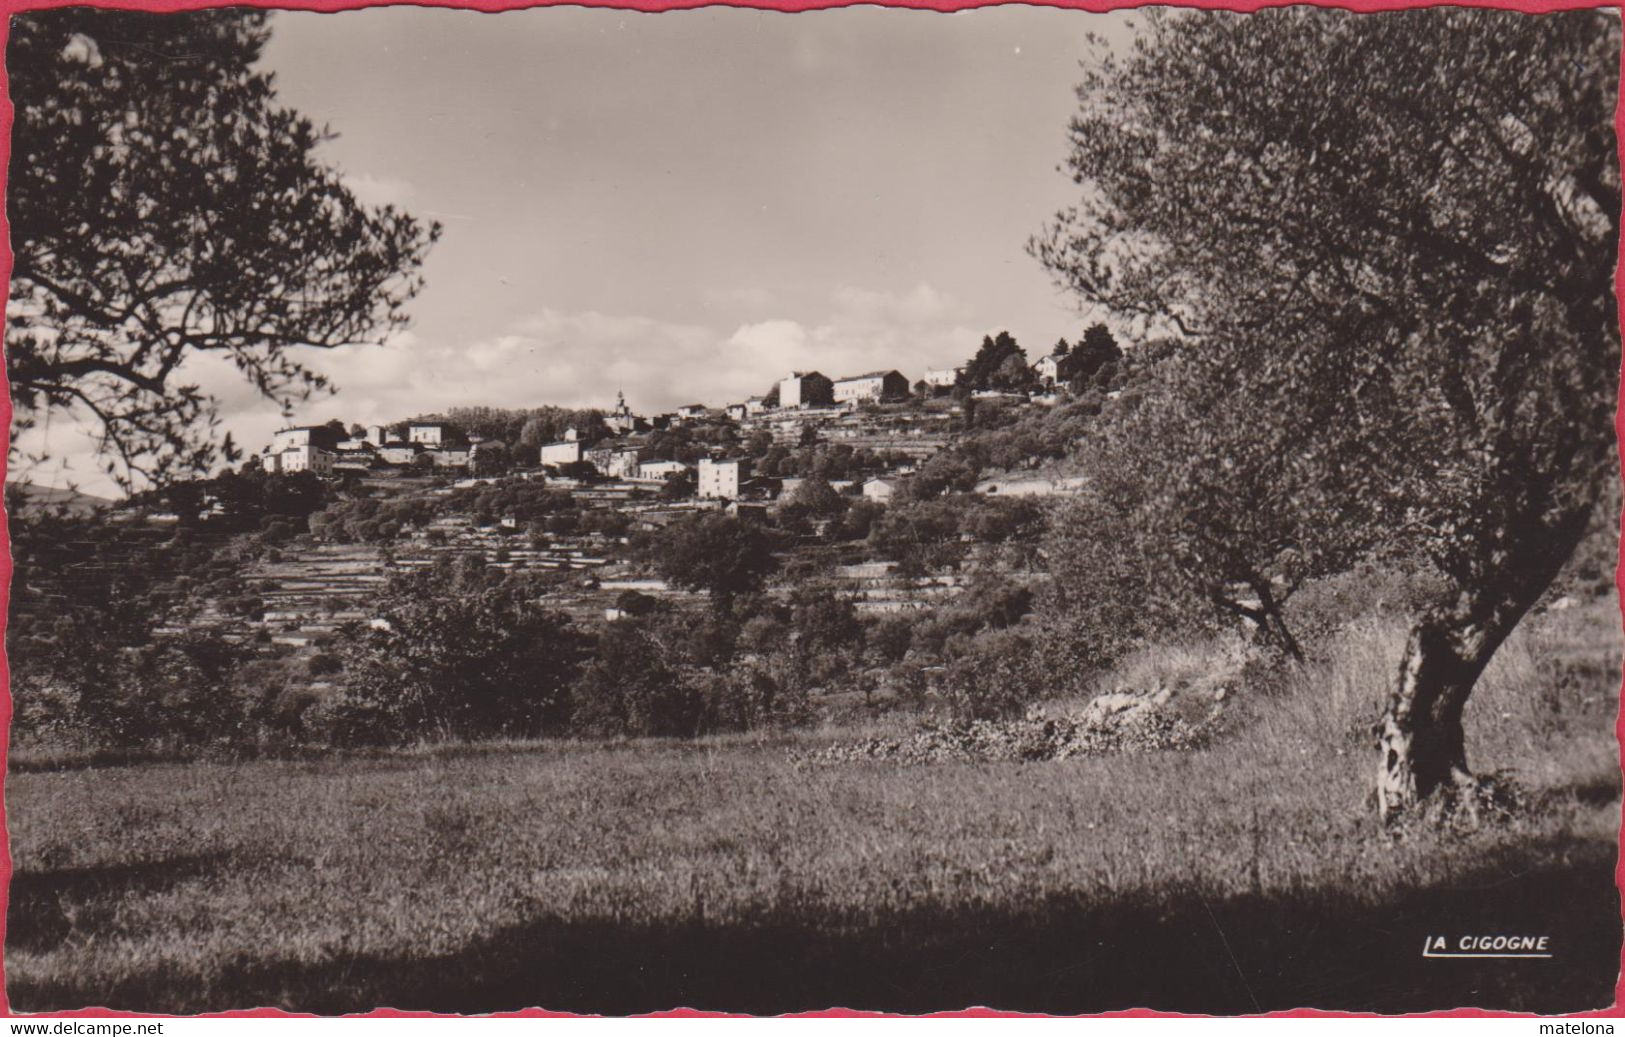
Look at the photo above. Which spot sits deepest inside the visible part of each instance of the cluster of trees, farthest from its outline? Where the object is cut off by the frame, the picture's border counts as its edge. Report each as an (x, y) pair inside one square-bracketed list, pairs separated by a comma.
[(236, 502), (999, 364), (815, 460), (89, 594), (930, 535), (370, 520), (1091, 364)]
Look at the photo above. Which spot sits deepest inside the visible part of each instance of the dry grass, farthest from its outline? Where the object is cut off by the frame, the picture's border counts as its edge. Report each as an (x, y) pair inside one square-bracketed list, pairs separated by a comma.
[(719, 874)]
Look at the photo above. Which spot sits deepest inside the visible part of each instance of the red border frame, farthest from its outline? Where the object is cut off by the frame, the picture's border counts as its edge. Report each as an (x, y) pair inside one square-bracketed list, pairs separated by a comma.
[(11, 7)]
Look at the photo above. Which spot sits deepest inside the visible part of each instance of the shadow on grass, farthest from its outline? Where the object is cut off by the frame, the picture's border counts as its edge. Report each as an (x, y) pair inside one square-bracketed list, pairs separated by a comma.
[(46, 908), (1175, 952)]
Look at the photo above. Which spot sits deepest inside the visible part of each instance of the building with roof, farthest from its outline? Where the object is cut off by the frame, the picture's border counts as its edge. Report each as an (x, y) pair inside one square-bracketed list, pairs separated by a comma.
[(400, 453), (880, 488), (567, 451), (324, 436), (306, 458), (874, 386), (431, 433), (806, 389), (722, 479), (659, 470)]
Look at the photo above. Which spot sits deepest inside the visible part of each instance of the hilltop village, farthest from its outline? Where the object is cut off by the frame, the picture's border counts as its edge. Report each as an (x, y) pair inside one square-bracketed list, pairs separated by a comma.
[(575, 496), (867, 412), (831, 546)]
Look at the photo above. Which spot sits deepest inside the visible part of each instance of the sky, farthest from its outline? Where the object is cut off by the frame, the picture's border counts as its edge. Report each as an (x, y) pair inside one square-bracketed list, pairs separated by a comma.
[(682, 206)]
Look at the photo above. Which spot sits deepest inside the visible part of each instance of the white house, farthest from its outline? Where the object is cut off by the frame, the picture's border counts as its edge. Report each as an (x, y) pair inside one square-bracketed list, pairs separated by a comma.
[(805, 389), (399, 453), (623, 464), (755, 405), (876, 385), (1048, 369), (306, 459), (879, 488), (659, 470), (943, 377), (452, 457), (737, 411), (303, 435), (562, 453), (722, 479), (429, 433)]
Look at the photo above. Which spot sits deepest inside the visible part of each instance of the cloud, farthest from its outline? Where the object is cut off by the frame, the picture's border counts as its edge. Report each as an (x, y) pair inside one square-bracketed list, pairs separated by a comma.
[(584, 358), (922, 305), (738, 298), (378, 190)]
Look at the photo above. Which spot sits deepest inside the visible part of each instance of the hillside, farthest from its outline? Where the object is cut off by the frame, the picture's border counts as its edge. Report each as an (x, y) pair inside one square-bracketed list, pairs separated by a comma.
[(71, 501)]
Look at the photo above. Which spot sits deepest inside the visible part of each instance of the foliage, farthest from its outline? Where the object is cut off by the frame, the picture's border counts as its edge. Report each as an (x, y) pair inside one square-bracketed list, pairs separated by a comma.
[(456, 652), (1389, 245), (998, 678), (936, 534), (633, 686), (235, 502), (162, 204), (986, 370), (1453, 348), (714, 553), (944, 472), (815, 498), (1095, 363), (679, 485), (490, 458), (1134, 849), (1237, 511)]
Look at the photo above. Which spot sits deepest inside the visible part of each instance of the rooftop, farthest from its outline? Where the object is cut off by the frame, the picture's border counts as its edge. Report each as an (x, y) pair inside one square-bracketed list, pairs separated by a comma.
[(871, 374)]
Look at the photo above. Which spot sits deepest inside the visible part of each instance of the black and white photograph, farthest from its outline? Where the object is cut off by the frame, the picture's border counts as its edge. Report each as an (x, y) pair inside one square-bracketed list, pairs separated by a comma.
[(770, 512)]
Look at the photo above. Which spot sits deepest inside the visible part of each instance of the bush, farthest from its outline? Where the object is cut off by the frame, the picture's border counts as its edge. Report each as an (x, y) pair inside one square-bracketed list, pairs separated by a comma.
[(749, 697), (459, 652), (998, 677), (889, 638), (630, 688)]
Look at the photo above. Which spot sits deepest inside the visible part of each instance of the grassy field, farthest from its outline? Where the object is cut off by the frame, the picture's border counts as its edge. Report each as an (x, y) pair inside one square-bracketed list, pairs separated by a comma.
[(722, 875)]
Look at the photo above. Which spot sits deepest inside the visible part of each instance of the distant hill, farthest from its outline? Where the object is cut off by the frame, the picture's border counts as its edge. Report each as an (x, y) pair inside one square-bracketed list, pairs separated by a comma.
[(52, 499)]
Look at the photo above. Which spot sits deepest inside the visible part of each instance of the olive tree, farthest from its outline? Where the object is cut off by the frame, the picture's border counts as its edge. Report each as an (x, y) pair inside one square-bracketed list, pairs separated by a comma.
[(1395, 235)]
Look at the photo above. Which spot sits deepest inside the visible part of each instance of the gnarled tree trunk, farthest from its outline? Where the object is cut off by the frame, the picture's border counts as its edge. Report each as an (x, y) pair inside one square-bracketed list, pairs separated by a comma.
[(1420, 734)]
